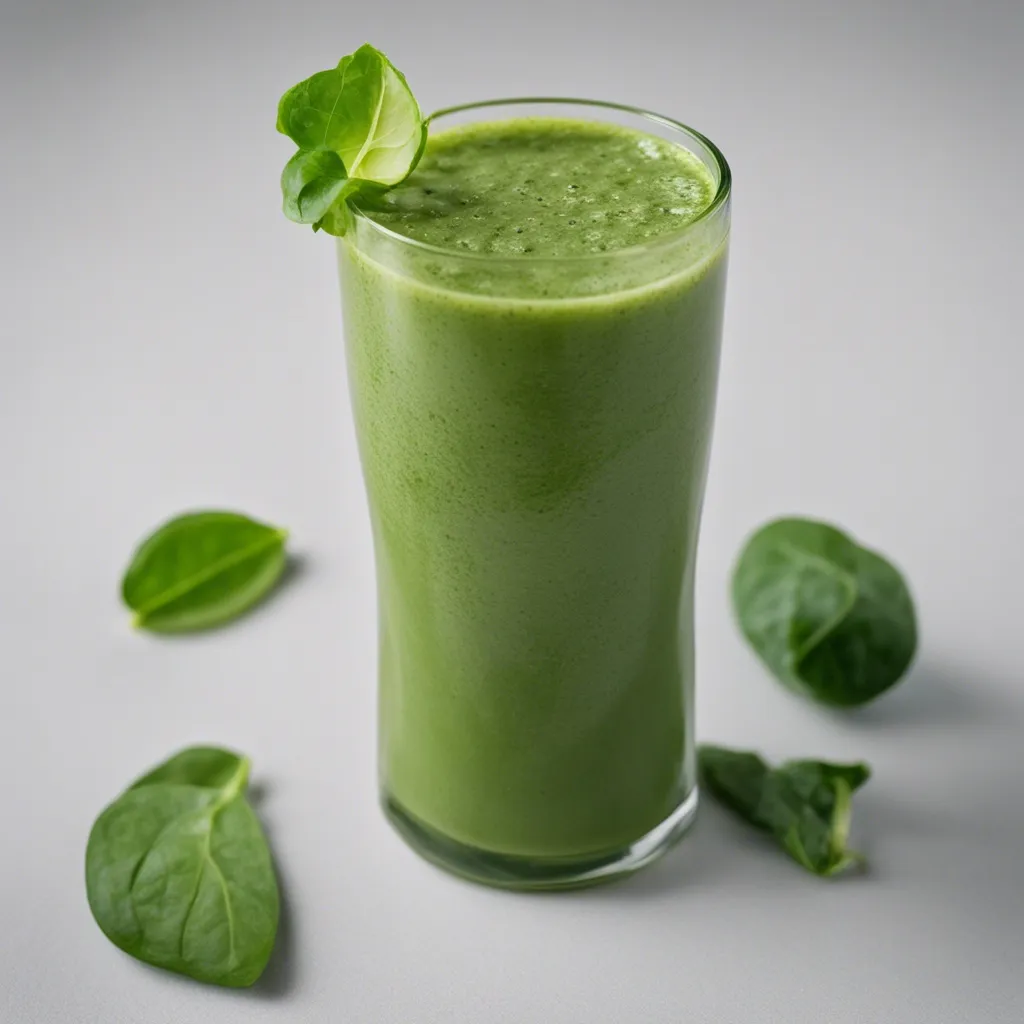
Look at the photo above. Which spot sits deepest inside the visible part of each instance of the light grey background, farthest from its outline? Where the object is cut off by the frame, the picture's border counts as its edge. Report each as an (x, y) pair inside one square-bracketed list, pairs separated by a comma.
[(168, 340)]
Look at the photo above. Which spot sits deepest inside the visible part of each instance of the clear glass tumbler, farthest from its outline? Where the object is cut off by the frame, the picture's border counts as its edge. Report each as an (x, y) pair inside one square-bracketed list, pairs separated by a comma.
[(534, 436)]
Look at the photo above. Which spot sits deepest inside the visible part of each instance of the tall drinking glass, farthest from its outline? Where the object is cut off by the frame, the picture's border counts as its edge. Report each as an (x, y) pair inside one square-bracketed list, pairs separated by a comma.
[(534, 438)]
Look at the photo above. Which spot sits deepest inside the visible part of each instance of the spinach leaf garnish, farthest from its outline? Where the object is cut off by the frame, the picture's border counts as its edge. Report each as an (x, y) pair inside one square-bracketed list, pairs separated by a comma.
[(359, 131)]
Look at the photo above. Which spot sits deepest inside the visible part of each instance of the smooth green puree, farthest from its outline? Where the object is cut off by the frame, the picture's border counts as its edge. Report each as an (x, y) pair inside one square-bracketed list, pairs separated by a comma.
[(535, 462)]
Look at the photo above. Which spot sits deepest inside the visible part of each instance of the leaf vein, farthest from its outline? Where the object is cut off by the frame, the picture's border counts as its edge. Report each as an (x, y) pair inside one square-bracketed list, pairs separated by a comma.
[(213, 570), (373, 127), (192, 901), (337, 100), (848, 582), (228, 913)]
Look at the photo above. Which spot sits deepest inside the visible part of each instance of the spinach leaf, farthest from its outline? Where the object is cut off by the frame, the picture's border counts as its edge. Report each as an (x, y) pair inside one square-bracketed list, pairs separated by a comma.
[(179, 875), (831, 619), (359, 131), (312, 182), (805, 805), (736, 778), (808, 804), (201, 570)]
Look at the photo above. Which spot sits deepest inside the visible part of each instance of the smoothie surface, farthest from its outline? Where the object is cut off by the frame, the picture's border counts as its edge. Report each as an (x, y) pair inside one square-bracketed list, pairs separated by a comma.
[(546, 187)]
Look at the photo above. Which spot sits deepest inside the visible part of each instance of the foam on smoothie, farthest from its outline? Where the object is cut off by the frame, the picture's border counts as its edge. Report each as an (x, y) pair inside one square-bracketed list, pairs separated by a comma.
[(547, 187)]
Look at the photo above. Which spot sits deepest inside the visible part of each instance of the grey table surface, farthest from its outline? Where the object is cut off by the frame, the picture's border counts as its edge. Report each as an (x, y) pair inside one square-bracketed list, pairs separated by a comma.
[(170, 341)]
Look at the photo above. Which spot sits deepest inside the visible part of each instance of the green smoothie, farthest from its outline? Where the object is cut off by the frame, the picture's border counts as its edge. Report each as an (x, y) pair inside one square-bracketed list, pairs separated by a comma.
[(532, 324)]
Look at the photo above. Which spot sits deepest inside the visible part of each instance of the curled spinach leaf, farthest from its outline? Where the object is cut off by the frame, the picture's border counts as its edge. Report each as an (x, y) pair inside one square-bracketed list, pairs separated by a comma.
[(831, 619), (805, 805), (359, 131)]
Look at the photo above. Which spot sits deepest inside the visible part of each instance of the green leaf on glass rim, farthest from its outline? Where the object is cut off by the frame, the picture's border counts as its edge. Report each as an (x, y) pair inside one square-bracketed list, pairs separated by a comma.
[(805, 805), (361, 111), (202, 569), (312, 182), (179, 874), (831, 619)]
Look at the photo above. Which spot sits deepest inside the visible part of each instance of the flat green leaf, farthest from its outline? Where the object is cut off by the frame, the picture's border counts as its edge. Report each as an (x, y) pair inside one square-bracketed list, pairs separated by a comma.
[(805, 805), (831, 619), (201, 570), (357, 121), (180, 876)]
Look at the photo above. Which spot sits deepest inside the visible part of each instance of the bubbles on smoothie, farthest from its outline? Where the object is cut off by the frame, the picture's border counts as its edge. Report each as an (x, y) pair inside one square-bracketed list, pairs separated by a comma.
[(548, 188), (650, 149)]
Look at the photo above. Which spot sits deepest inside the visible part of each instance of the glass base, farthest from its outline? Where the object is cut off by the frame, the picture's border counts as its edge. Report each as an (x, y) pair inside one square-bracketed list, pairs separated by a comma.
[(531, 873)]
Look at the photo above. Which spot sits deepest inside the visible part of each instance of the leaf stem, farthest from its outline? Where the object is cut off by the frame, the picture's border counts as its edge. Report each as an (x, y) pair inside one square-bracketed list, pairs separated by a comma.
[(235, 785)]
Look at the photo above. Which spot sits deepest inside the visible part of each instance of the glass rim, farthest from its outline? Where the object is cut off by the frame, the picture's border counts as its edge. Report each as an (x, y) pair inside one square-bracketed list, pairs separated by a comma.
[(720, 198)]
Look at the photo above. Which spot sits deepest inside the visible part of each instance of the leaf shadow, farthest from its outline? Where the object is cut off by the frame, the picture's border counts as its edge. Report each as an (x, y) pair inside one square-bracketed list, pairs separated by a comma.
[(880, 816), (934, 694), (296, 568), (279, 978)]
